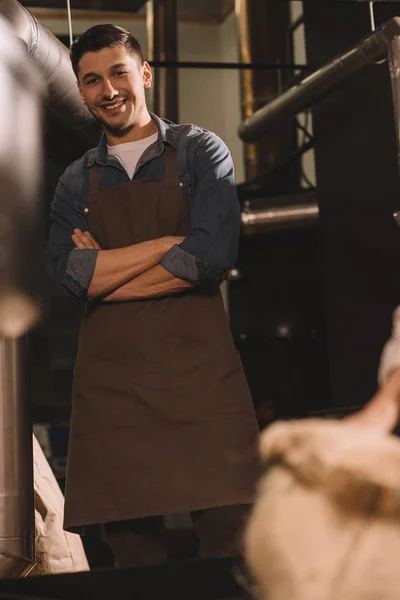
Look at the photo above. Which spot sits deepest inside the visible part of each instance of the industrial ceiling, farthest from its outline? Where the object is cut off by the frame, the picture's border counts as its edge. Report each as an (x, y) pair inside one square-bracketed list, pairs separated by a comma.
[(198, 10)]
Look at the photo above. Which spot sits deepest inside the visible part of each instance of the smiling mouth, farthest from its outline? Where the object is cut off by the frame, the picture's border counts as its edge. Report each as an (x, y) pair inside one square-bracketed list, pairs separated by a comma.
[(115, 106)]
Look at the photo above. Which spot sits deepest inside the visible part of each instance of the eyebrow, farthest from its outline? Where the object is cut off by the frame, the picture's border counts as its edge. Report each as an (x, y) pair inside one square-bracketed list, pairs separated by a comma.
[(92, 74)]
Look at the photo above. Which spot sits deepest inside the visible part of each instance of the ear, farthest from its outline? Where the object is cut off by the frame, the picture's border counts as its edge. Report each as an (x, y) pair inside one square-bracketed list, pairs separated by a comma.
[(147, 74), (81, 92)]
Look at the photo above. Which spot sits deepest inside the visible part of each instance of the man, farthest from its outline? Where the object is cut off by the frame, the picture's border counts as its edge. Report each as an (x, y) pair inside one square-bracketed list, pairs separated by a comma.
[(143, 227)]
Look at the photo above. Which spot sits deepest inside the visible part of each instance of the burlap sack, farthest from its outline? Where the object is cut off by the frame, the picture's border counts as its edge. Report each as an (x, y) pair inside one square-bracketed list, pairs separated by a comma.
[(57, 551), (326, 524)]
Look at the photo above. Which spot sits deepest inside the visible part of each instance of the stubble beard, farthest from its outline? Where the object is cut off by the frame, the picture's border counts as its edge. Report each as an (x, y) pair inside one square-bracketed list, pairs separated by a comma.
[(116, 130)]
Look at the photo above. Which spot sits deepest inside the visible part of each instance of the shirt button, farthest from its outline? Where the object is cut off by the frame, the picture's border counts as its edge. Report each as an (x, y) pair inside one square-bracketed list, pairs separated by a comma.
[(86, 210), (180, 184)]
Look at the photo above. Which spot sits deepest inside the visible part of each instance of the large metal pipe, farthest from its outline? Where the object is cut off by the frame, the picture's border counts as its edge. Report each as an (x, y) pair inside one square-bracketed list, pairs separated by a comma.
[(161, 18), (17, 516), (262, 36), (62, 99), (34, 66), (394, 68), (319, 84), (257, 220), (20, 257)]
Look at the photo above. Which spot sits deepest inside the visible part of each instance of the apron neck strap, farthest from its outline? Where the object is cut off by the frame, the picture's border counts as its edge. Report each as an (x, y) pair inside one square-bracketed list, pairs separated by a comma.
[(171, 170), (94, 180)]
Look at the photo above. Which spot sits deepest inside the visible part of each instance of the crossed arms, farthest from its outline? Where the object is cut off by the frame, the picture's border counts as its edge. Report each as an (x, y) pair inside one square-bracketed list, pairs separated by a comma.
[(158, 267), (133, 272)]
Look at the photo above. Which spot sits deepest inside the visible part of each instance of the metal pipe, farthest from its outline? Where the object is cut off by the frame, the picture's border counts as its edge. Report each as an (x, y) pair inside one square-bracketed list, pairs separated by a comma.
[(17, 516), (272, 218), (394, 69), (161, 21), (319, 84), (262, 36), (52, 57), (230, 66), (20, 256)]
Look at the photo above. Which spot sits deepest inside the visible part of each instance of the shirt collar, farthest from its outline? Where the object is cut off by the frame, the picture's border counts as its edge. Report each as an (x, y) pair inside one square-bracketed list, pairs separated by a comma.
[(100, 153)]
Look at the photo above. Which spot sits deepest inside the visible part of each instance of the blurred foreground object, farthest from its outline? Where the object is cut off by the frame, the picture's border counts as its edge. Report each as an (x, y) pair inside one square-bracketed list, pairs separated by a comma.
[(390, 358), (57, 551), (326, 524), (20, 286), (21, 237)]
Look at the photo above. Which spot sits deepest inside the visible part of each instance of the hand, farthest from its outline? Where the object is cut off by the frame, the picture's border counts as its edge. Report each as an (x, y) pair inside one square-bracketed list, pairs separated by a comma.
[(84, 240)]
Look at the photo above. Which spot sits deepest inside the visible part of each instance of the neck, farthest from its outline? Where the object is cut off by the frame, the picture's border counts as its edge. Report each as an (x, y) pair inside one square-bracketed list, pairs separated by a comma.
[(143, 128)]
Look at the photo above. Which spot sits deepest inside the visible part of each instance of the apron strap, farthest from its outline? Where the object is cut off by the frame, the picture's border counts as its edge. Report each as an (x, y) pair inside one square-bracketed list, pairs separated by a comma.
[(171, 170), (94, 180)]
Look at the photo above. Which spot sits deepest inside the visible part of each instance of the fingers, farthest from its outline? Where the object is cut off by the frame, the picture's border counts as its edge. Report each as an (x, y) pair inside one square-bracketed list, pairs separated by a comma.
[(84, 240)]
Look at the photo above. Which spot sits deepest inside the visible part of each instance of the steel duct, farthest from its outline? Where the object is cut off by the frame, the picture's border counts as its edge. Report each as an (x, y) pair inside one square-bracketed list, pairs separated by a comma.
[(260, 220), (62, 99), (161, 18), (20, 258), (319, 84), (263, 37)]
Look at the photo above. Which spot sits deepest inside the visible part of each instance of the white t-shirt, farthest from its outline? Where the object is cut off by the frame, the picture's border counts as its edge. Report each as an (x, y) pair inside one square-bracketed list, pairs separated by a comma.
[(129, 153)]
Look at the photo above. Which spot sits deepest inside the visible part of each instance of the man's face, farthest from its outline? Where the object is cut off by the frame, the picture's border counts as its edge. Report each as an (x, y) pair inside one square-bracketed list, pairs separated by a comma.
[(111, 84)]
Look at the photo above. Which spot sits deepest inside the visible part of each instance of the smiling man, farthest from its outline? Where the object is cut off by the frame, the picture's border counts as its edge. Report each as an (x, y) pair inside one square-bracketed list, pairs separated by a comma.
[(143, 228)]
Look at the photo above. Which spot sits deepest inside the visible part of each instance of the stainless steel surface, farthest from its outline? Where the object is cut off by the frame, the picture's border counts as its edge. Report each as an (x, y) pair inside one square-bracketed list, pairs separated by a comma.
[(256, 220), (319, 84), (20, 254), (17, 525), (394, 68), (262, 37), (162, 46), (52, 57), (20, 173)]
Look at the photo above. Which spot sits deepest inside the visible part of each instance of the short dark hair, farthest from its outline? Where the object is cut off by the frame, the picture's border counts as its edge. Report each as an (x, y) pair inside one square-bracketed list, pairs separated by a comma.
[(103, 36)]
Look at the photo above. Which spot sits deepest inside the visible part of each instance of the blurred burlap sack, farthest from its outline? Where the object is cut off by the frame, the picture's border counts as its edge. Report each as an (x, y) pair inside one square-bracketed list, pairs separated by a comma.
[(57, 551), (326, 523)]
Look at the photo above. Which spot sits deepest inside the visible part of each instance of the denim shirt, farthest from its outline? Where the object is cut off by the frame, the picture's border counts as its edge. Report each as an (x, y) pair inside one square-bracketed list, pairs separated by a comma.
[(205, 170)]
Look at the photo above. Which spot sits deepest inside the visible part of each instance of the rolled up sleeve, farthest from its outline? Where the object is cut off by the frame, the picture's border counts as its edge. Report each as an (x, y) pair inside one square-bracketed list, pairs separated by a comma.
[(70, 270), (211, 247), (181, 264)]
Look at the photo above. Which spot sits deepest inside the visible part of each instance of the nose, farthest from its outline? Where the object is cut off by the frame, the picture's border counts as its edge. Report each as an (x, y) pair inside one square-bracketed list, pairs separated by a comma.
[(108, 91)]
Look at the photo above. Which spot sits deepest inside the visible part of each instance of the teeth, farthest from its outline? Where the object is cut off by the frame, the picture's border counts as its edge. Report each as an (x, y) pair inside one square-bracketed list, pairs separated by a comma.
[(112, 106)]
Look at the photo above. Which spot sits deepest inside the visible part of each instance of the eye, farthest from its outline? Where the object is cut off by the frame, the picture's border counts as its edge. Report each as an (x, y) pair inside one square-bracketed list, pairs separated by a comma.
[(92, 81), (120, 73)]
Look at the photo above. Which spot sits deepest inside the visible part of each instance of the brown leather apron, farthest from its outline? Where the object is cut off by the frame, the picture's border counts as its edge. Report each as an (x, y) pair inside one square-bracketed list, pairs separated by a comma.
[(162, 418)]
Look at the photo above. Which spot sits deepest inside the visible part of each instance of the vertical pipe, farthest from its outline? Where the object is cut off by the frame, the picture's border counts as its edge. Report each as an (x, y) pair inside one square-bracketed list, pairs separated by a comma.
[(161, 21), (17, 525), (263, 29), (20, 279), (394, 68)]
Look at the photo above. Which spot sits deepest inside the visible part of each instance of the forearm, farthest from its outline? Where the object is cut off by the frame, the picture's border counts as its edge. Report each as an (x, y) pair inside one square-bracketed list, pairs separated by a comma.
[(116, 267), (154, 282)]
